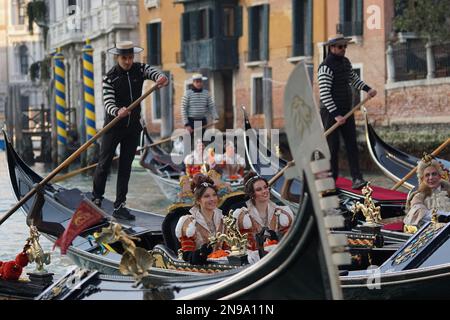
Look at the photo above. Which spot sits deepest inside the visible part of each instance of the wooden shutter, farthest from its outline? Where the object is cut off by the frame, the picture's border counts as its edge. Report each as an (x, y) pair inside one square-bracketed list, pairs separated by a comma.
[(264, 46), (359, 17), (309, 28), (149, 43), (238, 21), (185, 27)]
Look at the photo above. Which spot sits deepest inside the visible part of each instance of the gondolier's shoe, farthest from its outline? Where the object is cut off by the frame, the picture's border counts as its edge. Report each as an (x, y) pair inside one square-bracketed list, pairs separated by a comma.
[(97, 202), (358, 184), (123, 213)]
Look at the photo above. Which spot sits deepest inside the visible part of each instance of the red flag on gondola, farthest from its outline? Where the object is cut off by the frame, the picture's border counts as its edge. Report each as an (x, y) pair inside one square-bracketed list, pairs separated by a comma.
[(87, 215)]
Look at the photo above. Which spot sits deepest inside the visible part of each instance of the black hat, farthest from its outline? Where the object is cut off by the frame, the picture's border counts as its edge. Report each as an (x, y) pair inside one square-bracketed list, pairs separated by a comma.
[(125, 48)]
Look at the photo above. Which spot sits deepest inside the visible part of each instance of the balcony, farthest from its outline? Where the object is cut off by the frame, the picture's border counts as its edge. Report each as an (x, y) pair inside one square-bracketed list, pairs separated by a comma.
[(101, 20), (18, 30), (213, 54)]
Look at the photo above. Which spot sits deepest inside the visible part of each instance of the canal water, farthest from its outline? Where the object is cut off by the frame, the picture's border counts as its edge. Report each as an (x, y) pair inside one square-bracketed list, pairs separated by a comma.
[(143, 194)]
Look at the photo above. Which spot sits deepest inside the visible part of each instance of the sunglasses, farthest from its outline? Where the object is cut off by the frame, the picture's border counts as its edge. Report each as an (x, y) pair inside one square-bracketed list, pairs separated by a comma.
[(341, 46)]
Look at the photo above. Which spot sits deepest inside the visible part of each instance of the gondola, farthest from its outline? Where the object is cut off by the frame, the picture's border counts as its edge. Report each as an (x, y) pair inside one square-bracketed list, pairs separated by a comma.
[(166, 174), (394, 163), (267, 164), (59, 204), (305, 263), (20, 290)]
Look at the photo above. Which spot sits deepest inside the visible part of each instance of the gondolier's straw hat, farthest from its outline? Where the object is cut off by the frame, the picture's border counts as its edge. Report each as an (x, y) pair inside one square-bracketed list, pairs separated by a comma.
[(198, 76), (125, 48), (338, 39)]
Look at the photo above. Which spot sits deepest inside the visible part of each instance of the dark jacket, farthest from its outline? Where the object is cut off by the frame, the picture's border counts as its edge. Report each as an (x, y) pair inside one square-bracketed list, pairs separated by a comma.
[(121, 88), (339, 72)]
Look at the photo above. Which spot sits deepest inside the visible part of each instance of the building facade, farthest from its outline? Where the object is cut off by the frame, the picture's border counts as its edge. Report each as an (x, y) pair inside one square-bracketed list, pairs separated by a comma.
[(247, 49), (21, 98), (3, 57), (71, 23)]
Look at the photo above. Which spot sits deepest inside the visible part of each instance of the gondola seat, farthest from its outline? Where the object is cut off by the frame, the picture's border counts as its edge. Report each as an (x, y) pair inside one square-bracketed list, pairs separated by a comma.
[(169, 225), (232, 201), (229, 202)]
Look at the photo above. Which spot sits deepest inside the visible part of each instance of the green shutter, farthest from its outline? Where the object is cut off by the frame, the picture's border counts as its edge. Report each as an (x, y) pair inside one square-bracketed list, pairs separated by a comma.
[(238, 21), (185, 27), (309, 28), (194, 23), (296, 28), (251, 33), (265, 28), (149, 43), (158, 44), (342, 17), (359, 23), (210, 23)]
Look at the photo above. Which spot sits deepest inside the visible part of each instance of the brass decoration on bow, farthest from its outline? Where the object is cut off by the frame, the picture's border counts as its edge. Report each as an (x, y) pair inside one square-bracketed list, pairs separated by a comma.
[(135, 261), (232, 236), (418, 243), (35, 253), (369, 210), (434, 216)]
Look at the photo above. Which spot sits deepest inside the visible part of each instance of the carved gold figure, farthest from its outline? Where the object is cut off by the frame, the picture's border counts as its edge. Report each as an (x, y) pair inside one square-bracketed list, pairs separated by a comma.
[(35, 252), (135, 261), (232, 236), (371, 212)]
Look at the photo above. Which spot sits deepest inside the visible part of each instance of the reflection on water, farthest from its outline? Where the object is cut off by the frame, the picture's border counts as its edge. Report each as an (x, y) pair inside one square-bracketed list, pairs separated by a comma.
[(143, 194)]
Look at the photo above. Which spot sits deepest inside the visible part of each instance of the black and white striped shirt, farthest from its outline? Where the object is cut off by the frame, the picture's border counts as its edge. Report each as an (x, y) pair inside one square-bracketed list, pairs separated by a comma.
[(109, 93), (326, 78), (197, 104)]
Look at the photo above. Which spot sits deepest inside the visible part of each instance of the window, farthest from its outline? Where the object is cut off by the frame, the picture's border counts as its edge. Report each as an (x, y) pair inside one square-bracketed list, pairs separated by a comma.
[(154, 43), (257, 88), (228, 22), (258, 26), (197, 25), (186, 26), (23, 59), (21, 6), (302, 13), (156, 106), (351, 18), (71, 7)]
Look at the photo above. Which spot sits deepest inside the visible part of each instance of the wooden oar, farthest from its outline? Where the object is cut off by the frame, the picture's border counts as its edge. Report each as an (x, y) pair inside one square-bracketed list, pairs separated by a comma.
[(75, 155), (410, 174), (92, 166), (281, 172), (327, 133), (348, 115)]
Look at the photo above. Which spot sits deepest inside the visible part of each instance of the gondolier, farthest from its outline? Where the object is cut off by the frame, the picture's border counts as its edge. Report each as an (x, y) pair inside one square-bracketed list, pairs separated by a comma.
[(197, 105), (336, 77), (122, 85)]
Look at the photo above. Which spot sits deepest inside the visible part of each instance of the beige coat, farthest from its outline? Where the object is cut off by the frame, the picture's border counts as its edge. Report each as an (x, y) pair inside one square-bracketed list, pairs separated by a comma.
[(422, 204), (195, 227)]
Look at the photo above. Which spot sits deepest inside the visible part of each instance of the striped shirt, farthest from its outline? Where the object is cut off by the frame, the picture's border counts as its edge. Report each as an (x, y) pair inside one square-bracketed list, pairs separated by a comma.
[(109, 93), (197, 105), (326, 78)]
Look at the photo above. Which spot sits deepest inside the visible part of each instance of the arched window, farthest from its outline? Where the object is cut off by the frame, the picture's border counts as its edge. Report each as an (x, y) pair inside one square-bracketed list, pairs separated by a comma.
[(23, 59)]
